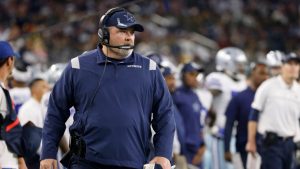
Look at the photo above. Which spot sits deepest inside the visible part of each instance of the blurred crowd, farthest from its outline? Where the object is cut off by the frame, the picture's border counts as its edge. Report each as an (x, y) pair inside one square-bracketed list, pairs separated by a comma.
[(46, 32)]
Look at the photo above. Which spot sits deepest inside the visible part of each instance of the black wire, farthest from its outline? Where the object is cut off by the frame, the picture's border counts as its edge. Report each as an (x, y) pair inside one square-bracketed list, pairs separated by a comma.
[(100, 79), (95, 92)]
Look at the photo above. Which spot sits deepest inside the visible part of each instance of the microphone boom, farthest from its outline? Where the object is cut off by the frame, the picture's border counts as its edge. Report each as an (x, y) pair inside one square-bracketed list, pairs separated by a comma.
[(126, 47)]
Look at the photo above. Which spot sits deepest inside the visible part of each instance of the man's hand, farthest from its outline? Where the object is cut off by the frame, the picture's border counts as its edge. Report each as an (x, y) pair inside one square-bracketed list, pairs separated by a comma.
[(228, 156), (48, 164), (21, 163), (251, 147), (197, 159), (164, 162)]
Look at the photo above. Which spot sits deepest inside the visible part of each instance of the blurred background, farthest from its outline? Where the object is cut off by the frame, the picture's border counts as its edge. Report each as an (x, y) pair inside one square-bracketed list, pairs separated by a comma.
[(48, 33), (45, 32)]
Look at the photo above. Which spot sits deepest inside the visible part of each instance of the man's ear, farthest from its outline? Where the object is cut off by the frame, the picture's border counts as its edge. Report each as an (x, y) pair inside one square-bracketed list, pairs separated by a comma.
[(10, 60)]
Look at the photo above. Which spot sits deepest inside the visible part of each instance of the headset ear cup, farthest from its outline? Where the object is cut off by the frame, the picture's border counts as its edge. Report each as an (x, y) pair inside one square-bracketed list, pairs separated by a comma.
[(105, 37), (100, 34)]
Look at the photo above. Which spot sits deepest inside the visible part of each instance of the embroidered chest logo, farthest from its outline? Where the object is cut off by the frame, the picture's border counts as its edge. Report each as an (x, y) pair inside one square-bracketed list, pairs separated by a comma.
[(135, 66)]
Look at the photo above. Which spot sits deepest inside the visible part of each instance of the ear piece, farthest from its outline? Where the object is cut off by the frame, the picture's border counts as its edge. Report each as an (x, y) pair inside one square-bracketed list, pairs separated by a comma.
[(100, 34), (103, 35)]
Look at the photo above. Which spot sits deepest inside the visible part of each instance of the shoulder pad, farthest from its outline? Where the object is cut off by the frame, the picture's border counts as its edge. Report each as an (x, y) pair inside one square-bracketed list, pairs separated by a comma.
[(152, 65), (75, 63)]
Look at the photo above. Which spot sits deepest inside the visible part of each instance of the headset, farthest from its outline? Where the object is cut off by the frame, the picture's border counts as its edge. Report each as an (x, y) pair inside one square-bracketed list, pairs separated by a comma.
[(103, 32)]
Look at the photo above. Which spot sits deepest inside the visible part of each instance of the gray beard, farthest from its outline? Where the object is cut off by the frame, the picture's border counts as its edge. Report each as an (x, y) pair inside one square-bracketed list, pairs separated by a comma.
[(122, 52)]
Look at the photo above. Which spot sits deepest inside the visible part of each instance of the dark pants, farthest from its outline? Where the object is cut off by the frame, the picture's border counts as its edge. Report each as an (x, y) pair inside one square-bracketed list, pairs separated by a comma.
[(241, 149), (190, 153), (244, 154), (278, 155), (79, 163)]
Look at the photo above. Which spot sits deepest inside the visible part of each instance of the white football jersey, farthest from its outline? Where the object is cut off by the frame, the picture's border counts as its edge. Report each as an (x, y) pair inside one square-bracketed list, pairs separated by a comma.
[(227, 86)]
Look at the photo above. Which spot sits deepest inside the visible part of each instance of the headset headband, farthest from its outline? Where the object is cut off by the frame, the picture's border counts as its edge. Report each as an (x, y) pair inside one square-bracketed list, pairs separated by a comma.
[(109, 13)]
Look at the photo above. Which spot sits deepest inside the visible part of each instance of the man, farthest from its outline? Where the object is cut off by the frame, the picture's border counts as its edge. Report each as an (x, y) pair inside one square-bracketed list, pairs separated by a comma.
[(276, 103), (223, 84), (179, 143), (8, 160), (31, 111), (115, 92), (190, 107), (238, 111)]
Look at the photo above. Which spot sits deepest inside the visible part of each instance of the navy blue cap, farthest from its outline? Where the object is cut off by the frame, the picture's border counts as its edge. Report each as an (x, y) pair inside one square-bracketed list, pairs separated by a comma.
[(192, 67), (290, 56), (166, 71), (6, 50), (122, 20)]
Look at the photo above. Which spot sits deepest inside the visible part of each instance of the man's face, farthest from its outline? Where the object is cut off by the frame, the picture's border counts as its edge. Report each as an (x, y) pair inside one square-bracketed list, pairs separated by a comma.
[(190, 79), (119, 37), (40, 88), (290, 69), (260, 74), (171, 82)]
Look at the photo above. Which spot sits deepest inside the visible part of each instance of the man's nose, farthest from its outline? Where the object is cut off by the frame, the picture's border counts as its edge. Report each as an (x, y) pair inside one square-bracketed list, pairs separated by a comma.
[(129, 37)]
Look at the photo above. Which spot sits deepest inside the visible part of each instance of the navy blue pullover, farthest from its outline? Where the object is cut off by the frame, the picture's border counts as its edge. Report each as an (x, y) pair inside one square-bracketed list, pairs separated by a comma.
[(116, 125), (180, 128), (238, 110), (189, 106)]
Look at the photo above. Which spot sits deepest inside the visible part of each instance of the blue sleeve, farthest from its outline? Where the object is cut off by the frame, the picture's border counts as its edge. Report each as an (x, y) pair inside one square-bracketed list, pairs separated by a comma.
[(253, 116), (58, 112), (163, 118), (231, 117)]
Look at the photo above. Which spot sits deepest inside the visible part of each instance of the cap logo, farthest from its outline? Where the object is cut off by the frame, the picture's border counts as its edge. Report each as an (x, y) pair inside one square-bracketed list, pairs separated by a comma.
[(120, 24), (129, 17)]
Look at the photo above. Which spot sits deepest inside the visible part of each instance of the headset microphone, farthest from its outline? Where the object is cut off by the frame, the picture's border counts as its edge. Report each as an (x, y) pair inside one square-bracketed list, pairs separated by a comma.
[(105, 42), (120, 47)]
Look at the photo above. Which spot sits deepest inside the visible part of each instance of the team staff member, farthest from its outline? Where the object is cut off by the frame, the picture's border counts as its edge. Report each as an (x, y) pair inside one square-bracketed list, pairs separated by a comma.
[(276, 102), (179, 138), (238, 111), (190, 107), (31, 111), (171, 83), (8, 160), (114, 91)]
